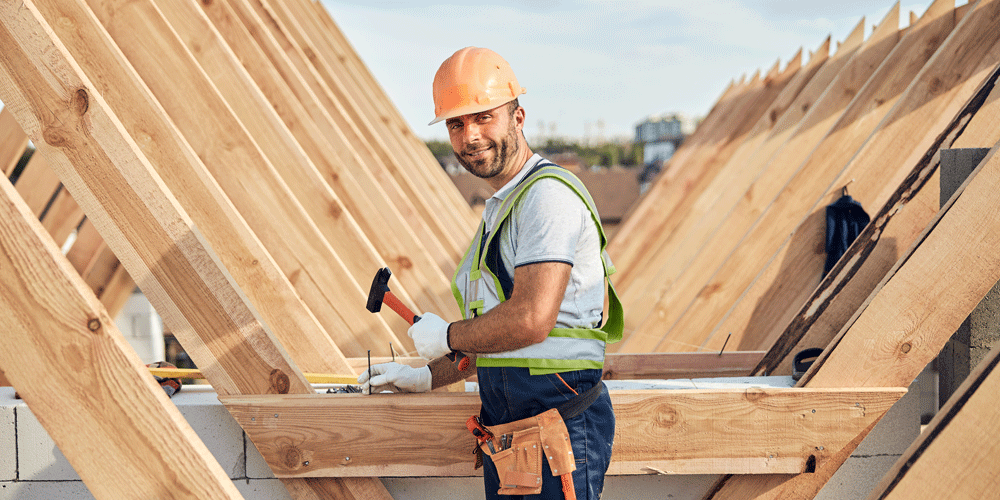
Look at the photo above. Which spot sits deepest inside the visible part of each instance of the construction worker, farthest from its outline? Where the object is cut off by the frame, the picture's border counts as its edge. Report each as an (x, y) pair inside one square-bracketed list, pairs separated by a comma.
[(531, 291)]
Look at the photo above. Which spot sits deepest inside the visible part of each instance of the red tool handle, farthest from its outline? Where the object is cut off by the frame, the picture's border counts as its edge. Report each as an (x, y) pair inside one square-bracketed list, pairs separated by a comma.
[(460, 360), (394, 303)]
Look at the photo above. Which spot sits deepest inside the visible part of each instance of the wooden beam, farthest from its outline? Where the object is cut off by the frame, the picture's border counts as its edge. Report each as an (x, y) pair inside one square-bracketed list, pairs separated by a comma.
[(246, 176), (12, 142), (896, 226), (37, 184), (677, 247), (722, 171), (63, 351), (96, 158), (935, 97), (955, 456), (331, 118), (682, 432), (662, 365), (820, 108), (338, 164), (706, 302), (910, 315)]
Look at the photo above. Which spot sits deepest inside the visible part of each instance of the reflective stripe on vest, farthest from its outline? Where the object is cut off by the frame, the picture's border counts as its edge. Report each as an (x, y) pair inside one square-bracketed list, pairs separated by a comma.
[(564, 349)]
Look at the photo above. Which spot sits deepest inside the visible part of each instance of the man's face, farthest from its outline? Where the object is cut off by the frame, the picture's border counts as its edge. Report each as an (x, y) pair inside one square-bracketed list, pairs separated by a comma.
[(484, 143)]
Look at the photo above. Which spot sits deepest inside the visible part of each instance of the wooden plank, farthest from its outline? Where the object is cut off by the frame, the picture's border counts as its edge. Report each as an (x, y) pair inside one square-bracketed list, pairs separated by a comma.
[(722, 172), (329, 116), (936, 96), (37, 184), (12, 142), (182, 171), (63, 351), (320, 203), (338, 54), (245, 175), (331, 87), (692, 261), (713, 135), (395, 241), (683, 432), (63, 216), (663, 365), (705, 302), (951, 458), (903, 217), (677, 247), (129, 203), (70, 123), (904, 323)]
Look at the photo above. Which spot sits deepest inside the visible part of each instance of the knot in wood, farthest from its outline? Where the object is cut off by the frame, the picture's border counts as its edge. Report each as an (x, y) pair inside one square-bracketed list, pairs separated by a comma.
[(404, 262), (94, 324), (291, 457), (279, 382), (81, 102), (905, 348)]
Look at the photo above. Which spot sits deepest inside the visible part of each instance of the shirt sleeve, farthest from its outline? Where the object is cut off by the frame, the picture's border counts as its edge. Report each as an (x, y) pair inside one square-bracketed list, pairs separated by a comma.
[(550, 218)]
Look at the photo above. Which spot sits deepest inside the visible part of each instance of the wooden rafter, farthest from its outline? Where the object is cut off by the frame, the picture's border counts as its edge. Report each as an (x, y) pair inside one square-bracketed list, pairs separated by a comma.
[(62, 349)]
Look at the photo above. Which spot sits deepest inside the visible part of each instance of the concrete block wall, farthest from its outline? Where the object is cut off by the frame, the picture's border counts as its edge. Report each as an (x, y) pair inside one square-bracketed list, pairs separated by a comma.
[(32, 467)]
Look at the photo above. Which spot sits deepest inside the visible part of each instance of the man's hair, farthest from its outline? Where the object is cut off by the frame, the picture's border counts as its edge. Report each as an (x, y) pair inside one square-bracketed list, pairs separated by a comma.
[(513, 105)]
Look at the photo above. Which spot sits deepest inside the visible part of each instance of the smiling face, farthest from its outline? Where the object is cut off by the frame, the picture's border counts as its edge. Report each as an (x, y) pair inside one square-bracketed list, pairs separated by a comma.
[(489, 144)]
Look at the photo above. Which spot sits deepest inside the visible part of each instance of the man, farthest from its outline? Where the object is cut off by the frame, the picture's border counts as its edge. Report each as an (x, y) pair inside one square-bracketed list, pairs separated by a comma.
[(531, 290)]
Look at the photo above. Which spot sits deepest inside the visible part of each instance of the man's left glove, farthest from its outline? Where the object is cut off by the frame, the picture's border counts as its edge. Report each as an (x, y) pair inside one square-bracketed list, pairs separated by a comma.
[(430, 336), (396, 378)]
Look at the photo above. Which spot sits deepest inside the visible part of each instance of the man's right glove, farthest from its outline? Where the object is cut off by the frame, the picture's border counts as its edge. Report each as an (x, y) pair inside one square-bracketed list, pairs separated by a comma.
[(396, 378)]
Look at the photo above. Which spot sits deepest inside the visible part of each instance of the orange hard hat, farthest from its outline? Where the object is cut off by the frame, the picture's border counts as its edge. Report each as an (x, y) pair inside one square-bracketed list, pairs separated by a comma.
[(473, 80)]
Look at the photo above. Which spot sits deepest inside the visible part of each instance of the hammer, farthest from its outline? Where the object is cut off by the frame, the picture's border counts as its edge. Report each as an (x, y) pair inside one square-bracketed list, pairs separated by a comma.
[(379, 293)]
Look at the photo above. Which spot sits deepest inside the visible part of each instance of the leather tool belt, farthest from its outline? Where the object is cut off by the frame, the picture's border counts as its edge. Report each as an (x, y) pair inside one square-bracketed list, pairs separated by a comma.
[(517, 448)]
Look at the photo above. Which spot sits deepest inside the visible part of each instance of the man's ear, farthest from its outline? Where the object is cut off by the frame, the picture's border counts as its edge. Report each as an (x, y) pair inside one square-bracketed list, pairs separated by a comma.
[(519, 118)]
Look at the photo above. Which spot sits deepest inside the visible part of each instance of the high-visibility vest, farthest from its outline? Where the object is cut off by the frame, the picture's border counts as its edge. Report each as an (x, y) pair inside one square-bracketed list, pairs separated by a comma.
[(564, 349)]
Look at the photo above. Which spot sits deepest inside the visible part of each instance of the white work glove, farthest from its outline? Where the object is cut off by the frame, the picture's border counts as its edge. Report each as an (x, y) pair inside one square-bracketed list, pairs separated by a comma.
[(430, 336), (396, 378)]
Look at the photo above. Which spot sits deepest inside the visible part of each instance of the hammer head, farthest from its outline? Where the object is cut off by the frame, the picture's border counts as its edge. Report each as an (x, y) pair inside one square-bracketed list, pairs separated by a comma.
[(380, 285)]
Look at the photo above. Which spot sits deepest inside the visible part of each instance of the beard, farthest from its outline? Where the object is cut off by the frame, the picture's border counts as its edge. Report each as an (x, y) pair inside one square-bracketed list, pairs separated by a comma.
[(502, 153)]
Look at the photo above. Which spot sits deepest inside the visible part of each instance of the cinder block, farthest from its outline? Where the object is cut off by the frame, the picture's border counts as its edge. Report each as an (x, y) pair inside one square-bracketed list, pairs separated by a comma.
[(39, 459), (216, 428), (8, 448), (857, 477), (45, 490), (262, 489), (414, 488), (897, 429), (672, 487), (256, 466)]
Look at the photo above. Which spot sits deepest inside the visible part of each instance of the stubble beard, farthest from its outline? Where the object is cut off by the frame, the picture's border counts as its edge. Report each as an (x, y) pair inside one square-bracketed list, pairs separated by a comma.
[(502, 154)]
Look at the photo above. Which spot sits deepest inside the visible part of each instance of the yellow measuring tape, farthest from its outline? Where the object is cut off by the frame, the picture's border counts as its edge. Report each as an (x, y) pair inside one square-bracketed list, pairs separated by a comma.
[(313, 378)]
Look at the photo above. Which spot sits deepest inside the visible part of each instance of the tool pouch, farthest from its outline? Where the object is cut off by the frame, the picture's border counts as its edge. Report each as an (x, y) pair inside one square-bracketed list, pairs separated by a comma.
[(520, 465)]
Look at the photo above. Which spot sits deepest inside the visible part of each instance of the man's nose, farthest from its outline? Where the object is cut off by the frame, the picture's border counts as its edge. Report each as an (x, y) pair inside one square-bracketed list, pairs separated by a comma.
[(472, 133)]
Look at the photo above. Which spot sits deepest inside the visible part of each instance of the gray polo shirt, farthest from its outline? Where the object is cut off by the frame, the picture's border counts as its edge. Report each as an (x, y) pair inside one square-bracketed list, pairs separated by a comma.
[(552, 224)]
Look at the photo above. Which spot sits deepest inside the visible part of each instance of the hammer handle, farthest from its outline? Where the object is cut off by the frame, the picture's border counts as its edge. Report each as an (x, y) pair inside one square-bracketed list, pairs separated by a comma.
[(394, 303)]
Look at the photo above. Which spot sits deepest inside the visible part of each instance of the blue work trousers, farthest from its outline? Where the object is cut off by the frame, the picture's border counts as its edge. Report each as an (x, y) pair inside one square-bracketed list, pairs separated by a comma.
[(510, 394)]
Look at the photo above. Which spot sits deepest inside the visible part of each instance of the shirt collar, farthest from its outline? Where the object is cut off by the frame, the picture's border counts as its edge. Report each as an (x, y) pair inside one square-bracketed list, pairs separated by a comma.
[(507, 188)]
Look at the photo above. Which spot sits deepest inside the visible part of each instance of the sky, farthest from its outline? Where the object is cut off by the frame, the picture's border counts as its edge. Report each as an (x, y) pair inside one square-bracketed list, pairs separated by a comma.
[(594, 69)]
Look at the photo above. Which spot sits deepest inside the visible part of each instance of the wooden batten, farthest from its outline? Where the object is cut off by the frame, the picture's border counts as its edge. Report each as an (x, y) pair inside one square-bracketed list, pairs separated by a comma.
[(898, 329), (917, 123), (337, 162), (705, 191), (12, 142), (37, 184), (901, 219), (708, 301), (52, 322), (696, 258), (246, 176), (951, 458), (737, 431)]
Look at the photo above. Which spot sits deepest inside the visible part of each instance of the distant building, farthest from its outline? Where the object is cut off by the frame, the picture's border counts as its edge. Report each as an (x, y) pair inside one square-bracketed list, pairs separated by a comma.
[(660, 136)]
